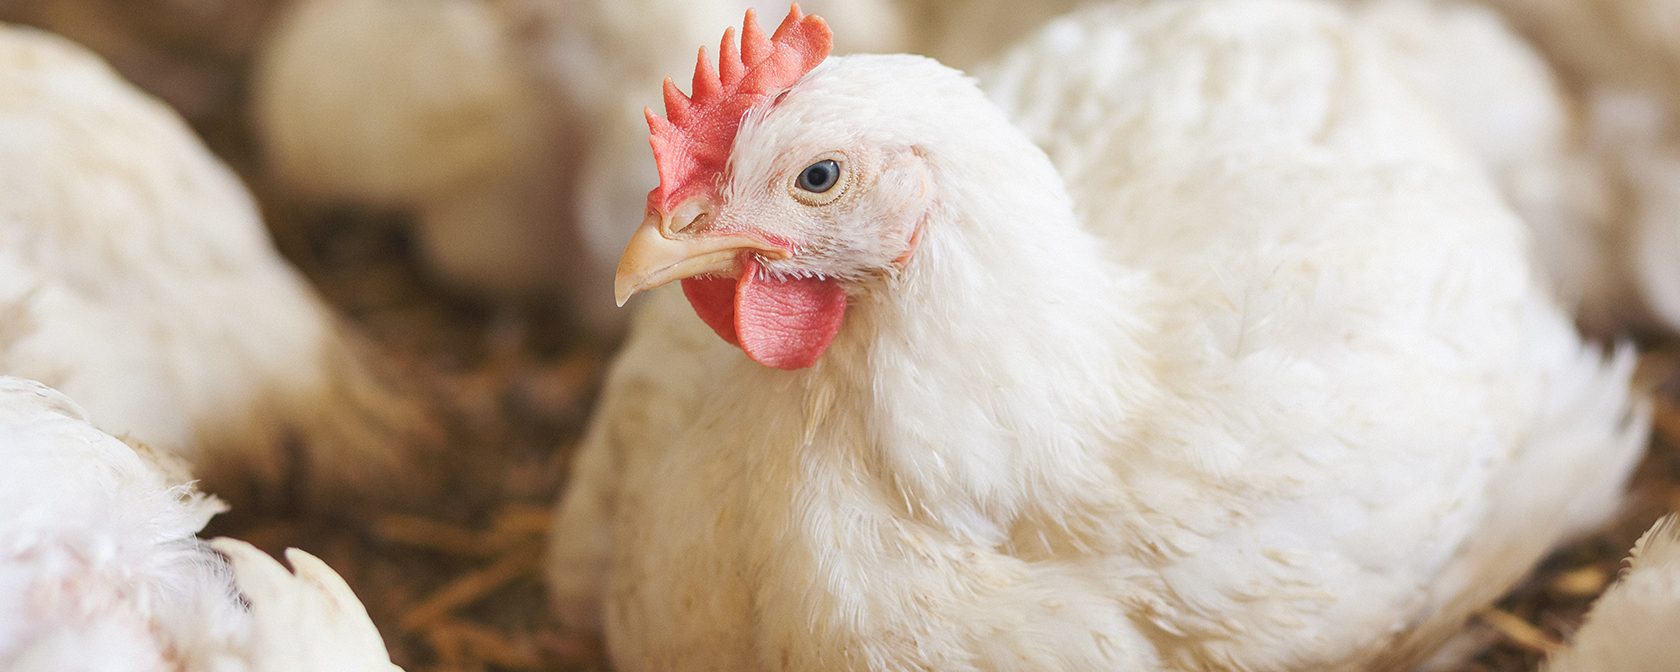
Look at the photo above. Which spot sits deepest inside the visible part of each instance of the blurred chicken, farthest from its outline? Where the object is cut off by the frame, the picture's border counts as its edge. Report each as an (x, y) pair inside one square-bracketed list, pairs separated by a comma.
[(1636, 138), (1620, 63), (1629, 44), (423, 104), (1502, 100), (966, 33), (99, 568), (1250, 372), (135, 274), (510, 127), (1632, 627)]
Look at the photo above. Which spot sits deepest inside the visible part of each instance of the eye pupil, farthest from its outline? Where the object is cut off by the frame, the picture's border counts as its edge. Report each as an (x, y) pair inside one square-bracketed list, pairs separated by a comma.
[(820, 176)]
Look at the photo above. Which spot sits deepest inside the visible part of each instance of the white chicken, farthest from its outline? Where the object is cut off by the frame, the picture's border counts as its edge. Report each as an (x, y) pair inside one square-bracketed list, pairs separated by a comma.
[(99, 568), (136, 275), (1631, 626), (1262, 379), (511, 127)]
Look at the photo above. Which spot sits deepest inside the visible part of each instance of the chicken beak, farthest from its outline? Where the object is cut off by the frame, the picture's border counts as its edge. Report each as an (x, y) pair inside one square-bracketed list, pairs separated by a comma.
[(656, 255)]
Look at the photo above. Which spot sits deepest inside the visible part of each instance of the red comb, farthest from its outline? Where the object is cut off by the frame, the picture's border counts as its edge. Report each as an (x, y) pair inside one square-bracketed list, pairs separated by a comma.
[(693, 146)]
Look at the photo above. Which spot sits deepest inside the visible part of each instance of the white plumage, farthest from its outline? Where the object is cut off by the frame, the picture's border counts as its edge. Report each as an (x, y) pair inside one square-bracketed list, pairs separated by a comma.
[(136, 275), (1268, 384), (1631, 626), (99, 568)]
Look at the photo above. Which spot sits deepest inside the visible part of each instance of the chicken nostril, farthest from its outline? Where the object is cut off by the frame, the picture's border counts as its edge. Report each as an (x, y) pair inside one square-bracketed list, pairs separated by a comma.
[(689, 218)]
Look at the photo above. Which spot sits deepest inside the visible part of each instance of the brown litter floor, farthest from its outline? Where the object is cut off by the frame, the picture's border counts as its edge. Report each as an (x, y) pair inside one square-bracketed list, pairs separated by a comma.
[(461, 590)]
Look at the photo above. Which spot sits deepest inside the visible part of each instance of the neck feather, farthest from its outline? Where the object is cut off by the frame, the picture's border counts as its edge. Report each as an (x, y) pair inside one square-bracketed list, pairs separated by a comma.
[(1000, 366)]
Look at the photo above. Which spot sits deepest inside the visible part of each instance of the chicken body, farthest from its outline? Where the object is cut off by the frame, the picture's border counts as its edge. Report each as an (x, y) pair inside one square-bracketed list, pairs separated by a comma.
[(135, 274), (1631, 626), (1260, 379), (99, 568)]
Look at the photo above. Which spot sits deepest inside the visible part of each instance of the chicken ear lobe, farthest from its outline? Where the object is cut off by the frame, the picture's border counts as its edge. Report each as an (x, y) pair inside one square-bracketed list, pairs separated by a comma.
[(784, 323)]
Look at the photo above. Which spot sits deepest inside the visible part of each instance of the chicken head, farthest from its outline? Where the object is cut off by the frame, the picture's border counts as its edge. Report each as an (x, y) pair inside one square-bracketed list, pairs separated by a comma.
[(769, 236)]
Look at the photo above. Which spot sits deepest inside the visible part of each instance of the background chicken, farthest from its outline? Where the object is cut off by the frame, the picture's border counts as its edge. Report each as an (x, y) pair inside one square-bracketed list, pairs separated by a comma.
[(510, 126), (100, 569), (136, 273), (991, 434), (1504, 101), (1631, 627), (1623, 59)]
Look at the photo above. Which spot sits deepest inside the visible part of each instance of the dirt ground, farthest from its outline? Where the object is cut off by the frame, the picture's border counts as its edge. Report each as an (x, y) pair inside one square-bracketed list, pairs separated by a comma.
[(462, 591)]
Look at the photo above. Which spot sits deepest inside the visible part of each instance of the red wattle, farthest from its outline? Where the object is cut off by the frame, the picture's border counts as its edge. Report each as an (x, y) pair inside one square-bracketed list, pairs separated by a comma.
[(713, 298), (781, 323)]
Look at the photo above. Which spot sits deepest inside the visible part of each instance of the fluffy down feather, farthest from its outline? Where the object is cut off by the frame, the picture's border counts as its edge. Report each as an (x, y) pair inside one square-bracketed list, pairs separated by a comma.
[(1268, 384), (655, 390), (512, 128), (99, 568), (1631, 627), (136, 275)]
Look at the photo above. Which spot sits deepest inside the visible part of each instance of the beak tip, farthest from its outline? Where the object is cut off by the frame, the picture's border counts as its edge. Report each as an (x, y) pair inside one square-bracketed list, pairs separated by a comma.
[(623, 289)]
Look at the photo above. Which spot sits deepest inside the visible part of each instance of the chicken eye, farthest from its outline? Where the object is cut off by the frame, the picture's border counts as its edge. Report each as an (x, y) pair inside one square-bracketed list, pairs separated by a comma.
[(819, 177)]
